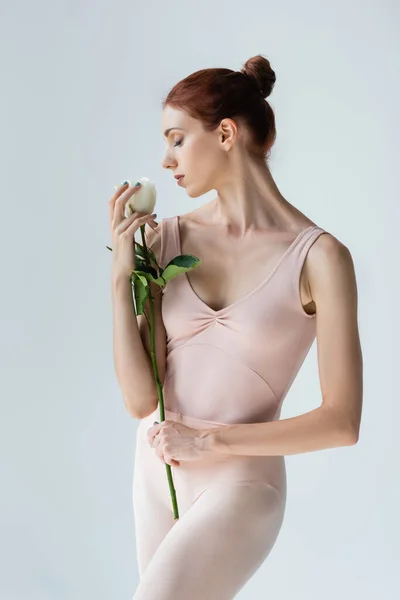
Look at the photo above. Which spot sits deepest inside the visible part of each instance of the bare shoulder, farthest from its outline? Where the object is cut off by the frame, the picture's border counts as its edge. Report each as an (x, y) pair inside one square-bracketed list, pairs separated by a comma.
[(192, 225), (328, 261), (327, 247), (193, 217)]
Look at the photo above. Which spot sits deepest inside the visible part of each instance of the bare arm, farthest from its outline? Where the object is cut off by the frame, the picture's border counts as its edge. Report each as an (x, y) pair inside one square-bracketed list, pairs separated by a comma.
[(153, 241), (131, 343)]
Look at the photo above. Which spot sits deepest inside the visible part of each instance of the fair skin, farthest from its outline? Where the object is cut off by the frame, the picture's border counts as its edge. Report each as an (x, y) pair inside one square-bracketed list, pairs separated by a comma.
[(250, 209)]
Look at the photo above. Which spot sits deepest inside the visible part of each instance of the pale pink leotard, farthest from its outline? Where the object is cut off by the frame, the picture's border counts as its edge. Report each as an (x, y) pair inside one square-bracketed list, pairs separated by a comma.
[(233, 365)]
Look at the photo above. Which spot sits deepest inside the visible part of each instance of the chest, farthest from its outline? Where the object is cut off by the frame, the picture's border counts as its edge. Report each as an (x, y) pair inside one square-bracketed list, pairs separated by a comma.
[(229, 269)]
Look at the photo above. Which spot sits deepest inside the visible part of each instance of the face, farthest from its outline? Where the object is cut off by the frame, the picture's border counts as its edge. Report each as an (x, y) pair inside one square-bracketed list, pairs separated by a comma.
[(190, 151)]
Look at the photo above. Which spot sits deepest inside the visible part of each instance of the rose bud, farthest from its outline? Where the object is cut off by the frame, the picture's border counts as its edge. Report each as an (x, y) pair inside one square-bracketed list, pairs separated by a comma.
[(144, 200)]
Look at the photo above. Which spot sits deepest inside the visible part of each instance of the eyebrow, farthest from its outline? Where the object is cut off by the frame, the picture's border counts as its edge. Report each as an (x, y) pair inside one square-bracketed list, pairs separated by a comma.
[(166, 132)]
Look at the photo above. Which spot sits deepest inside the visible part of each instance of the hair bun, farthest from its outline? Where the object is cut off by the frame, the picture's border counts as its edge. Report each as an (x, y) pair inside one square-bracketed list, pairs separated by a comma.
[(258, 69)]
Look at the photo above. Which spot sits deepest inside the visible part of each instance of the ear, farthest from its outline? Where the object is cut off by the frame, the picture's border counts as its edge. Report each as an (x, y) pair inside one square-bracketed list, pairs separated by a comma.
[(228, 132)]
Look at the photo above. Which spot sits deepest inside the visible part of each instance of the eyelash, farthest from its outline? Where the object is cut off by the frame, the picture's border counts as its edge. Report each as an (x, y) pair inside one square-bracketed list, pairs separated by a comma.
[(178, 143)]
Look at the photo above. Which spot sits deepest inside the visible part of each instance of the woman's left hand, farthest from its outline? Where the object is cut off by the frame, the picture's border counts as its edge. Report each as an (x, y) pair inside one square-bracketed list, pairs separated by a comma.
[(174, 442)]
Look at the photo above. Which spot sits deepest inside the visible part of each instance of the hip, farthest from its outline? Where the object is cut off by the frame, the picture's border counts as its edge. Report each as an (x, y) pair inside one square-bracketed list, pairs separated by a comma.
[(213, 468)]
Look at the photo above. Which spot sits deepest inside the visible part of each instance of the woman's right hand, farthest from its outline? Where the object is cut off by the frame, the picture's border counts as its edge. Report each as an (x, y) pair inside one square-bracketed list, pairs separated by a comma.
[(123, 231)]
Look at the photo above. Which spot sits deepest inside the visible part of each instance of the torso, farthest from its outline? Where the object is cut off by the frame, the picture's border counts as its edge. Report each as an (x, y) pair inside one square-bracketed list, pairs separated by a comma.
[(228, 272)]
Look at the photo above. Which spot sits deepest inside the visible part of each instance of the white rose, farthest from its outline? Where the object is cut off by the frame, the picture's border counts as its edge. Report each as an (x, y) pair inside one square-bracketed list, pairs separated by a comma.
[(144, 200)]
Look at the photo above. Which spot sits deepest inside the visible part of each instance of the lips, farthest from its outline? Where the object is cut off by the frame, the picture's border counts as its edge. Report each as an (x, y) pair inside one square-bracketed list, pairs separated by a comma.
[(178, 176), (179, 179)]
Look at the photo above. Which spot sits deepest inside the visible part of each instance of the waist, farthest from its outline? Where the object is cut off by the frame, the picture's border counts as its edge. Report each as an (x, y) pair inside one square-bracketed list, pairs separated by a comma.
[(218, 466)]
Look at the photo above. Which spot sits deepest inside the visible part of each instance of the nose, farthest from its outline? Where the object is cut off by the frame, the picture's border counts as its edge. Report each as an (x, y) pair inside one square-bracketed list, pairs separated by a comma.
[(168, 163)]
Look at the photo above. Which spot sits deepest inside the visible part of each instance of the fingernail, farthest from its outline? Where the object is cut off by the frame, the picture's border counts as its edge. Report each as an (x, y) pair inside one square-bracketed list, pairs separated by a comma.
[(120, 184), (137, 184), (156, 423)]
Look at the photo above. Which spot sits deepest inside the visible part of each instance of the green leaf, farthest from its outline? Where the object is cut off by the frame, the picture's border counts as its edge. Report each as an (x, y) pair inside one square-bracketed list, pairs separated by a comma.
[(139, 276), (180, 264), (140, 253), (145, 271), (141, 291), (143, 274)]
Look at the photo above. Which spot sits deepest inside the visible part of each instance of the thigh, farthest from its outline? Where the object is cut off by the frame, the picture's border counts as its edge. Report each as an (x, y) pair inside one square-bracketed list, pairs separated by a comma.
[(153, 514), (218, 544)]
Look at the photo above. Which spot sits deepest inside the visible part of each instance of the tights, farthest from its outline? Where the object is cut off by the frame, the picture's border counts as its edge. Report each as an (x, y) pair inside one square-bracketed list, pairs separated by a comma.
[(231, 510)]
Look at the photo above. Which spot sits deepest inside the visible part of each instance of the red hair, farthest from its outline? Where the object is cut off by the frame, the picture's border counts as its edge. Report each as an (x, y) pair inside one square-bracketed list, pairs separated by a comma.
[(211, 95)]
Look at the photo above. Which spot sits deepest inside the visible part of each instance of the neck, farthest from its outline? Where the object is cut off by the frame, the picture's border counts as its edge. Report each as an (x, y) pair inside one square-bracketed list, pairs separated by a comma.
[(248, 200)]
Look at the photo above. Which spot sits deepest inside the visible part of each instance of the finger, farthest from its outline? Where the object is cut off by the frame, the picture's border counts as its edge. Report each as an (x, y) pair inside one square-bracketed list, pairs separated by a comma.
[(152, 432), (119, 205), (136, 217), (171, 461), (132, 223), (111, 203), (153, 224)]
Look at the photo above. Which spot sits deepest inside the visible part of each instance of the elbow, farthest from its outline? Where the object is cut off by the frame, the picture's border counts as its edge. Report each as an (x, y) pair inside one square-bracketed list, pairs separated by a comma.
[(133, 413), (146, 413), (142, 410), (350, 436), (353, 431), (353, 439), (345, 429)]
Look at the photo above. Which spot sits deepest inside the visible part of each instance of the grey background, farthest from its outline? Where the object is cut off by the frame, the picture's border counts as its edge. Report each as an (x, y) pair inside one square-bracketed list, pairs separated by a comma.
[(82, 84)]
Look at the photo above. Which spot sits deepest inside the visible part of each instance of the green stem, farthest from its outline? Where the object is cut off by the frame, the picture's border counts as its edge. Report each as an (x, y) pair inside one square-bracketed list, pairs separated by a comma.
[(157, 379), (146, 258)]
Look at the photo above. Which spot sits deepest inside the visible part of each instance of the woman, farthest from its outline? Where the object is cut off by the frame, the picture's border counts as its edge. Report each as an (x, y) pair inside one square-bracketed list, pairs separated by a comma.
[(231, 336)]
